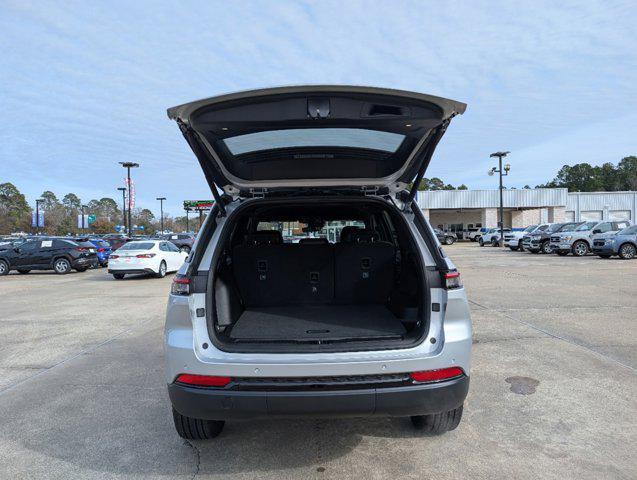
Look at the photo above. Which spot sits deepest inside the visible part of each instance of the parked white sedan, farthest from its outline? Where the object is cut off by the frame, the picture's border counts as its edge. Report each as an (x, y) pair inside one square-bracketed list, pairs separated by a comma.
[(145, 256)]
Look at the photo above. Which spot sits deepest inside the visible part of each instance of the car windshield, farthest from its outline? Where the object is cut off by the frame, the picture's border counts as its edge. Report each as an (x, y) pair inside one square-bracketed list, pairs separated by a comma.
[(554, 228), (530, 228), (568, 227), (586, 227), (137, 246)]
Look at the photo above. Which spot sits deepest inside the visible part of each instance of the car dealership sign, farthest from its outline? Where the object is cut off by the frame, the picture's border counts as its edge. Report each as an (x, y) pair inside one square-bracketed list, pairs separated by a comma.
[(198, 205)]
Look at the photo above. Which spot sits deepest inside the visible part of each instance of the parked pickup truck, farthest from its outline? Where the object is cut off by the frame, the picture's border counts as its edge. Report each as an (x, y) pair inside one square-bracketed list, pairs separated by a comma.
[(513, 239), (540, 240), (579, 240)]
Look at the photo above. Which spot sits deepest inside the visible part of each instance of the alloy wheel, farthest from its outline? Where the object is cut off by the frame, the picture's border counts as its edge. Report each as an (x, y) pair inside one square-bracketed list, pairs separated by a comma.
[(61, 266), (627, 251), (546, 248), (580, 249)]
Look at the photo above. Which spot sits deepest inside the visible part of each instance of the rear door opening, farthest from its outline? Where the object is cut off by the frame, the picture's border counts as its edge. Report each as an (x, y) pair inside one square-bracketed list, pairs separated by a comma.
[(317, 275)]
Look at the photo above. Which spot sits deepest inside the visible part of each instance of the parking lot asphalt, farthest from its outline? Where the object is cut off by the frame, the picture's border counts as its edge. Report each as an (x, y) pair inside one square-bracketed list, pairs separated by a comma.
[(553, 388)]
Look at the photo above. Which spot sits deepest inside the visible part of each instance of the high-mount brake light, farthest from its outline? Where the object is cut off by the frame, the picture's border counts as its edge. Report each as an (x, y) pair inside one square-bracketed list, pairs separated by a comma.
[(202, 380), (452, 280), (436, 375), (180, 286)]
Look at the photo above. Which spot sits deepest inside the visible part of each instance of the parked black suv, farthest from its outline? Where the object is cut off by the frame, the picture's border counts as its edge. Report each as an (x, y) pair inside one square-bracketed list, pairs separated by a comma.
[(57, 254), (540, 240), (183, 241)]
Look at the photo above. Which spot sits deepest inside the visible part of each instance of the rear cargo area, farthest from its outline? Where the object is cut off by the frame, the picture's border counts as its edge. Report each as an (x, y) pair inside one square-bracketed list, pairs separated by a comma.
[(362, 287)]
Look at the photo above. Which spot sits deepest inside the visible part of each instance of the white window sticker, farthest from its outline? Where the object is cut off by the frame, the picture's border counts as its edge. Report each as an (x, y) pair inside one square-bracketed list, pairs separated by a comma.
[(174, 237), (46, 243)]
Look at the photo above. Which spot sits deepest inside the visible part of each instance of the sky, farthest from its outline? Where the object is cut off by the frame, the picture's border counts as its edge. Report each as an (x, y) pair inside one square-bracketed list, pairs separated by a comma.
[(85, 85)]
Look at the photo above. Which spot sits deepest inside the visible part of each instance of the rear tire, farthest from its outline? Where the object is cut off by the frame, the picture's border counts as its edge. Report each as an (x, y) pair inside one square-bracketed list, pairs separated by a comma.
[(438, 423), (162, 270), (520, 246), (61, 266), (449, 240), (546, 247), (495, 242), (4, 268), (118, 276), (627, 251), (481, 242), (580, 248), (196, 429), (185, 249), (23, 272)]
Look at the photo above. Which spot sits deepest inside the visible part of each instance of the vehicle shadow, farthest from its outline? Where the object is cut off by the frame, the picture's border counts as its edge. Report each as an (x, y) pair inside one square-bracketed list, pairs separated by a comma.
[(107, 277)]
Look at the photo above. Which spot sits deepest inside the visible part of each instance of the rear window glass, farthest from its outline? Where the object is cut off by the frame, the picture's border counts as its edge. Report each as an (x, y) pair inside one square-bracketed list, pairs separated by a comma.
[(137, 246), (293, 232), (314, 137)]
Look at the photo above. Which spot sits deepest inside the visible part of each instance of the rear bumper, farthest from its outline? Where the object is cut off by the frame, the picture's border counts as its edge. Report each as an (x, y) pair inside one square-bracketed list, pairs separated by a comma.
[(84, 262), (131, 271), (213, 404)]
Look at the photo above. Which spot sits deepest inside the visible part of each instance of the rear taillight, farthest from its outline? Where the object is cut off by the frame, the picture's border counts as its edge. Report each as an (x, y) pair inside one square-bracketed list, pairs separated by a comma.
[(113, 257), (145, 255), (101, 249), (202, 380), (180, 286), (81, 249), (436, 375), (452, 280)]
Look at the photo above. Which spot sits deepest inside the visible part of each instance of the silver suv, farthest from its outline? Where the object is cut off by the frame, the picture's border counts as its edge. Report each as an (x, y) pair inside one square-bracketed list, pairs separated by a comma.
[(579, 241), (316, 287)]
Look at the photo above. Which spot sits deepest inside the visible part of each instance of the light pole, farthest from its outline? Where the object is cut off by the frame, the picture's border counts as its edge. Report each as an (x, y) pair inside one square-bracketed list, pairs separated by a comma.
[(38, 201), (161, 214), (187, 229), (502, 173), (123, 190), (128, 166), (83, 207)]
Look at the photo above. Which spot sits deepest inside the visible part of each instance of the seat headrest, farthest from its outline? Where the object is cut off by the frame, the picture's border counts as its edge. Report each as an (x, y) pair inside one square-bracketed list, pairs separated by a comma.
[(264, 237), (314, 241), (365, 236), (347, 233)]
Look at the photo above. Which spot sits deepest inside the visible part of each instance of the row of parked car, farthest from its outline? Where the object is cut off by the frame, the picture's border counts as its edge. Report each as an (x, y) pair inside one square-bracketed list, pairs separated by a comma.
[(602, 238), (156, 255)]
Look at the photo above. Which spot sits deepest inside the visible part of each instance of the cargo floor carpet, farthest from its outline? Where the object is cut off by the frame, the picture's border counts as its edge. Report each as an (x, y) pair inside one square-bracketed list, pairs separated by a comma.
[(316, 322)]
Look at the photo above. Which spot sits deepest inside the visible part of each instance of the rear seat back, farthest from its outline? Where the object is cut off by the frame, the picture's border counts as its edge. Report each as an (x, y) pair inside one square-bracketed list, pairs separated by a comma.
[(269, 272), (275, 274), (364, 269)]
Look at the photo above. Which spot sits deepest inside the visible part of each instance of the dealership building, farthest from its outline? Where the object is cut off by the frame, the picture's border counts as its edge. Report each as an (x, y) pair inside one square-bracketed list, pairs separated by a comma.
[(458, 210)]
